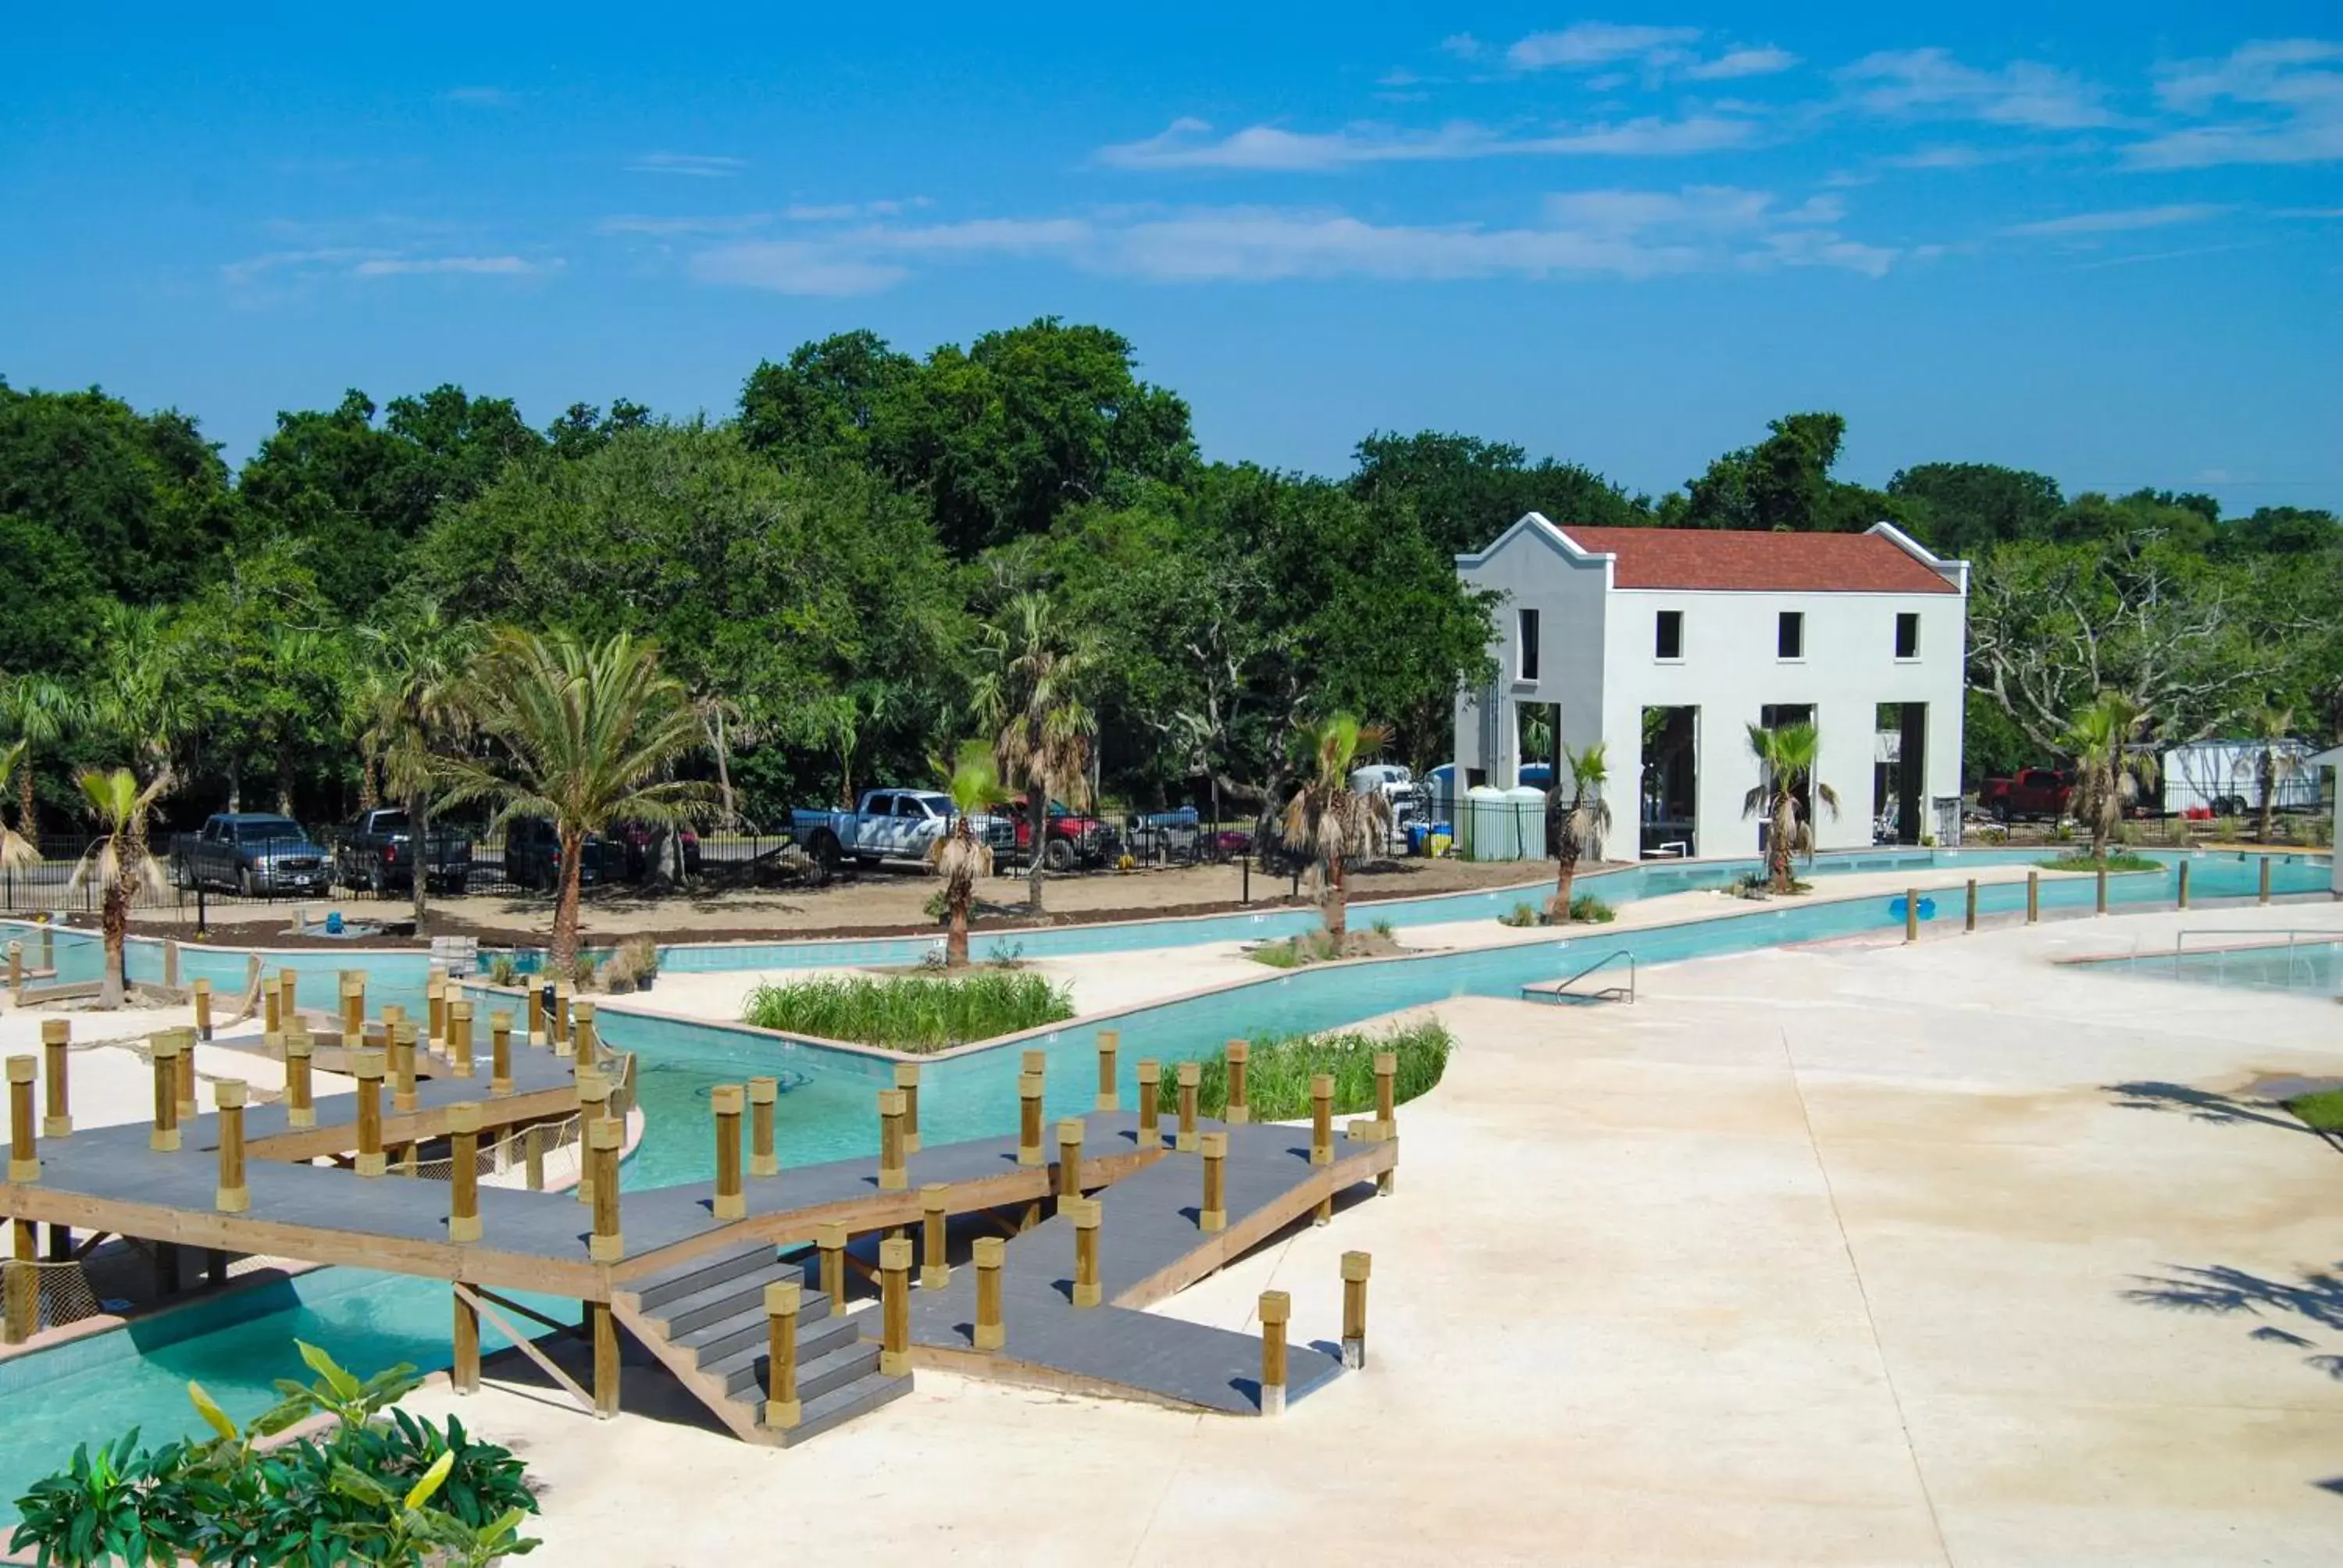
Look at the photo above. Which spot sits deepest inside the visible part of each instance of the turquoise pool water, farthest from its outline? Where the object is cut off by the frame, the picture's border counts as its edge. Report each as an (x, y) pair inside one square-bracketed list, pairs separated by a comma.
[(2312, 966)]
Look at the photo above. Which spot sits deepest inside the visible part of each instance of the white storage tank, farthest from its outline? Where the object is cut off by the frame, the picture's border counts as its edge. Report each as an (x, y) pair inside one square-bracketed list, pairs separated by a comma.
[(1480, 825), (1524, 828)]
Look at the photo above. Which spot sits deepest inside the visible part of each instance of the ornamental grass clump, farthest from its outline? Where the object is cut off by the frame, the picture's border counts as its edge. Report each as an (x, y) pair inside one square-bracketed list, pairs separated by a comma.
[(912, 1012), (1279, 1070)]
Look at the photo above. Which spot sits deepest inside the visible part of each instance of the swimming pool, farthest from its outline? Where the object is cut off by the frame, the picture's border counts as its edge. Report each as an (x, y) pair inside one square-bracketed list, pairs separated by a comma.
[(2309, 964)]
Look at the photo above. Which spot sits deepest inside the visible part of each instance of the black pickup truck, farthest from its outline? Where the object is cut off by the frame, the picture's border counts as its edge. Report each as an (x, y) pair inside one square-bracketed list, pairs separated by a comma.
[(377, 853)]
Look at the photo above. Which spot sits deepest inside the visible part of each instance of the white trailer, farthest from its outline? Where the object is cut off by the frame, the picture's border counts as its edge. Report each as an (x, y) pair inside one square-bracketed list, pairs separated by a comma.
[(2225, 777)]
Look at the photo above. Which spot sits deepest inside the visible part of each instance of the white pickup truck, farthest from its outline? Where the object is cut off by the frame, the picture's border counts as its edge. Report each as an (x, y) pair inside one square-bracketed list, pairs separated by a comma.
[(889, 825)]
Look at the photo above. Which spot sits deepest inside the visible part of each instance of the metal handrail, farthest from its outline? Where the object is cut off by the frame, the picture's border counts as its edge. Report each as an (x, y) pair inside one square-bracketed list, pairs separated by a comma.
[(1616, 953), (2296, 935)]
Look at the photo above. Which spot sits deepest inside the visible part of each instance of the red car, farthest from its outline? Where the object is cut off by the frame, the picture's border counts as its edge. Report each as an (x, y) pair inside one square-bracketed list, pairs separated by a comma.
[(2034, 792), (1074, 838)]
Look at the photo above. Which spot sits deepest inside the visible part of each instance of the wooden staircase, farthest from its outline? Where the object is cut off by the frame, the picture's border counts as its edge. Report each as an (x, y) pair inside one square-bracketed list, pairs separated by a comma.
[(706, 1321)]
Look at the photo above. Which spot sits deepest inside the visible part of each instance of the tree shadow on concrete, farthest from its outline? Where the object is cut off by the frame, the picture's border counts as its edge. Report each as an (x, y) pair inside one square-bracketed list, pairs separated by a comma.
[(2204, 1105), (2316, 1299)]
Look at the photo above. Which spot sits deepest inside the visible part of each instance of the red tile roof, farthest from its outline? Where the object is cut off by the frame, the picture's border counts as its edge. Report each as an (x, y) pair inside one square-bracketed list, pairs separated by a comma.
[(1748, 560)]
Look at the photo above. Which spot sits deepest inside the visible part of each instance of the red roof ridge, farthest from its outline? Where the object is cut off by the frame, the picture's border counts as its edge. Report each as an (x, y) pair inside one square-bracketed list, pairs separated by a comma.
[(1750, 560)]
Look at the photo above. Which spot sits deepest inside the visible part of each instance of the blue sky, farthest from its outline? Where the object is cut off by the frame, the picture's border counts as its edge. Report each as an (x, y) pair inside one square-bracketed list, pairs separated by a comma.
[(2102, 241)]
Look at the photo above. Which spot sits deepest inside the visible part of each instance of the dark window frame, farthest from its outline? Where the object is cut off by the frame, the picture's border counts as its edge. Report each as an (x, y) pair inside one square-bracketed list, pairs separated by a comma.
[(1790, 634), (1667, 636), (1527, 630), (1907, 621)]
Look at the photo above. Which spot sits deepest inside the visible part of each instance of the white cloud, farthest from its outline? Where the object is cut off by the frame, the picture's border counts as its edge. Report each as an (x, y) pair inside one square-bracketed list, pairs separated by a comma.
[(1595, 44), (2279, 101), (699, 166), (1188, 143), (475, 266), (1924, 83), (1735, 62), (795, 266), (363, 261), (2121, 220), (1463, 46)]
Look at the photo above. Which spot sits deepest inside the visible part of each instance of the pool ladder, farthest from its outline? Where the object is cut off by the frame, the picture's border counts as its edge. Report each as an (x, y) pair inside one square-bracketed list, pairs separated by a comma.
[(1559, 992)]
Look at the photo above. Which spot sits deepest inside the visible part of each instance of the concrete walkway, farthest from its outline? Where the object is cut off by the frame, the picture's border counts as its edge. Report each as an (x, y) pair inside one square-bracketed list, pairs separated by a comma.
[(1855, 1254)]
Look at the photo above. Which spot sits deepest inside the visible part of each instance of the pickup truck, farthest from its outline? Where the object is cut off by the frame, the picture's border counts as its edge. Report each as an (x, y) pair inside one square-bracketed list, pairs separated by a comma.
[(2032, 792), (256, 853), (887, 825), (377, 852), (533, 856), (1074, 838)]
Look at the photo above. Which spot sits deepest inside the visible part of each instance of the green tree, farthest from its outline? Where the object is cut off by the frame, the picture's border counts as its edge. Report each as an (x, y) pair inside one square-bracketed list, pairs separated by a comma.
[(1578, 827), (1465, 491), (1786, 757), (960, 856), (2277, 760), (2109, 774), (823, 401), (119, 863), (1033, 694), (1781, 483), (416, 711), (1326, 819), (37, 712), (584, 736), (1966, 508), (17, 850)]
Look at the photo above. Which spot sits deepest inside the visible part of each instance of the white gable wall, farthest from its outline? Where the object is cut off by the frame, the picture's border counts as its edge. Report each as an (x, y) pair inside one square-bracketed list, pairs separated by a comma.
[(1533, 571)]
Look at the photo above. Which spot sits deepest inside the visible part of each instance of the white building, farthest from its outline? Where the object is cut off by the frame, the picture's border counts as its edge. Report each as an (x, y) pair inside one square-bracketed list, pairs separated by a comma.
[(1667, 643)]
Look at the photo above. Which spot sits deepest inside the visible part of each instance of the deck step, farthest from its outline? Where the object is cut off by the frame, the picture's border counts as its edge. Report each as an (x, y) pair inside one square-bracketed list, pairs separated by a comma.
[(725, 1299), (840, 1405), (699, 1274), (841, 1365), (713, 1340), (729, 1341)]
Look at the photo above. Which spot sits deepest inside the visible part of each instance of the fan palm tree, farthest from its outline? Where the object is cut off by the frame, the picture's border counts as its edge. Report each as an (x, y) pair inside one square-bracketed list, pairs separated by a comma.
[(1786, 765), (960, 856), (2108, 774), (1031, 695), (584, 737), (15, 849), (1581, 825), (415, 686), (119, 861), (1326, 819), (2278, 760), (39, 711)]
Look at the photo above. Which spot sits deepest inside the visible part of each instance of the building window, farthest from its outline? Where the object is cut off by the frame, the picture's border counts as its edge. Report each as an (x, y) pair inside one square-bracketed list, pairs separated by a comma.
[(1667, 635), (1790, 634), (1907, 636), (1529, 636)]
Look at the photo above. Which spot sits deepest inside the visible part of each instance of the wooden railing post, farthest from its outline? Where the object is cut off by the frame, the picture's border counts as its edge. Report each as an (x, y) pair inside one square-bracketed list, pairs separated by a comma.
[(24, 1146), (20, 1319), (171, 963), (893, 1177), (593, 1107), (2184, 884), (537, 1015), (935, 1273), (989, 1252), (1387, 1112), (16, 966), (557, 1022), (1322, 1118), (1355, 1309), (2262, 896), (288, 993), (2102, 880), (500, 1024), (164, 1051), (1240, 1110), (1191, 1076), (48, 948), (585, 1039), (300, 1106), (1029, 1119), (907, 1083), (459, 1036), (365, 1066), (532, 1154), (1110, 1043), (1086, 1214), (1969, 919), (895, 1307), (724, 1100), (202, 998), (782, 1410), (233, 1197), (1276, 1307), (1213, 1214), (1069, 1158), (463, 1370), (188, 1109), (272, 1011), (353, 1006), (402, 1067), (464, 1171), (763, 1161), (434, 1005), (1911, 914), (1150, 1075), (830, 1241), (56, 1055), (2033, 897), (602, 1139)]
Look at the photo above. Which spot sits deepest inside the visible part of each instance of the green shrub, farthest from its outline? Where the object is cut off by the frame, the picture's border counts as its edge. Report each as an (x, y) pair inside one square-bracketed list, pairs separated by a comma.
[(937, 908), (2323, 1110), (2116, 860), (1278, 1072), (912, 1012), (1522, 915), (1384, 929), (1592, 911), (503, 971), (1311, 948)]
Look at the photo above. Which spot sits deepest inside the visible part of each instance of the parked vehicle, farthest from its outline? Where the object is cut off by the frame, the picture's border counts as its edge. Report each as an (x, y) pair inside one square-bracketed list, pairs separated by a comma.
[(1074, 838), (533, 856), (256, 853), (2032, 792), (887, 825), (377, 852), (641, 841)]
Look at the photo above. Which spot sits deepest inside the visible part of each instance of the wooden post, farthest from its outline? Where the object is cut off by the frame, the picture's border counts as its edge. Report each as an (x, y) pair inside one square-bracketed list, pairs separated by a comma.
[(2184, 884), (1070, 1159), (1213, 1214), (593, 1106), (24, 1146), (48, 948), (1386, 1092), (1029, 1119), (392, 1014), (22, 1317), (164, 1051), (459, 1037), (466, 1372), (57, 1050), (402, 1067), (15, 966), (602, 1140), (1355, 1309), (831, 1239), (1911, 914), (558, 1022), (2103, 890), (365, 1066), (782, 1410), (536, 1015), (1969, 919), (1150, 1081), (300, 1106), (893, 1177), (171, 963), (762, 1159), (272, 1011), (188, 1109), (434, 1005), (353, 1006), (1321, 1120), (990, 1250), (288, 993), (2262, 896), (1085, 1213), (1191, 1075), (724, 1100), (935, 1273), (464, 1171), (1276, 1307), (1110, 1042), (2033, 897), (606, 1359), (907, 1083), (894, 1308), (203, 1010), (1240, 1110), (501, 1051), (585, 1043), (233, 1197), (532, 1145)]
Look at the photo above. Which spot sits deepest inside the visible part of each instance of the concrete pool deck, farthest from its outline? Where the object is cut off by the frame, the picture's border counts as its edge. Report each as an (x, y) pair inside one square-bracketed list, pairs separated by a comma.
[(1856, 1253)]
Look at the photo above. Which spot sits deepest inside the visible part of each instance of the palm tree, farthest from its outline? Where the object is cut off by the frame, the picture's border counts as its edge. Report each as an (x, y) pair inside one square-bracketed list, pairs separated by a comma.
[(586, 735), (1785, 767), (414, 688), (960, 856), (39, 711), (1583, 823), (15, 849), (1326, 819), (2278, 760), (2108, 774), (119, 861), (1031, 698)]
